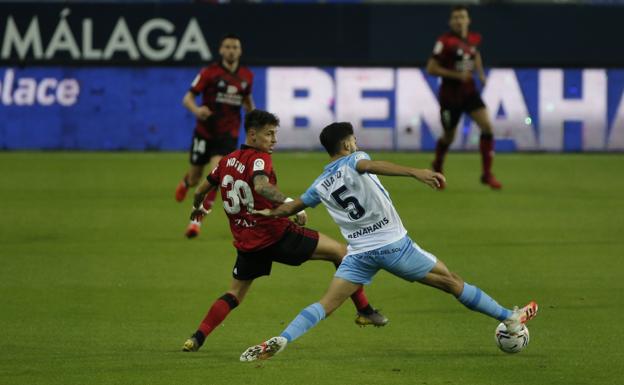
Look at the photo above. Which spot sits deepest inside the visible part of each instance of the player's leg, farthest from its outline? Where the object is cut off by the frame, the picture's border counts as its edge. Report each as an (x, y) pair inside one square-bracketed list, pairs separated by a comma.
[(486, 144), (449, 118), (339, 290), (329, 249), (191, 180), (249, 266), (217, 313), (197, 159), (210, 197), (476, 299), (405, 259), (194, 226), (470, 296)]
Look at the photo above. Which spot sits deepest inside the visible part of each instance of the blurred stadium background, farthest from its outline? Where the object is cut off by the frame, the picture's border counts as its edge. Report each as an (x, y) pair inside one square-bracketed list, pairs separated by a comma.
[(110, 75), (98, 284)]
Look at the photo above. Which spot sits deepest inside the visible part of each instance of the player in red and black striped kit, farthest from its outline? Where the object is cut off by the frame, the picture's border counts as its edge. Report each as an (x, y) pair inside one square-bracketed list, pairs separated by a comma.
[(455, 58), (224, 87), (247, 182)]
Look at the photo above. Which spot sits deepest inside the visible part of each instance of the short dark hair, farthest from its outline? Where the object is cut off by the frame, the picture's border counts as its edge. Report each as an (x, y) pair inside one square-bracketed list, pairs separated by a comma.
[(259, 119), (229, 36), (459, 7), (332, 135)]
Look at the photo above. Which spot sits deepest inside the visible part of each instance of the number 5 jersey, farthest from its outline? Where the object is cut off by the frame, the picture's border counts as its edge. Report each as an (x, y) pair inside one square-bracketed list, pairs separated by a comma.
[(358, 203)]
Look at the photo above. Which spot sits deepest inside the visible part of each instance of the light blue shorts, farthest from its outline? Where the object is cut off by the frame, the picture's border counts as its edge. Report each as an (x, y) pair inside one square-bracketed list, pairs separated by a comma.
[(403, 258)]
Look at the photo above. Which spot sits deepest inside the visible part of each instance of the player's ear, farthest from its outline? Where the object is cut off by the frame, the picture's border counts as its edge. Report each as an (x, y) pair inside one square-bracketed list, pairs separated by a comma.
[(344, 145)]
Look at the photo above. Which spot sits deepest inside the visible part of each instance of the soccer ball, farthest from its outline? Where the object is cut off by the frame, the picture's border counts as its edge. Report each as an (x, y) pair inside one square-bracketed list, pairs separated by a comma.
[(511, 343)]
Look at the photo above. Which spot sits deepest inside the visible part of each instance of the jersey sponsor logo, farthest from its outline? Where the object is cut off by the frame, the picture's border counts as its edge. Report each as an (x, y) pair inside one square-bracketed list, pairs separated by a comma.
[(369, 229), (242, 222), (258, 165), (384, 251), (231, 99)]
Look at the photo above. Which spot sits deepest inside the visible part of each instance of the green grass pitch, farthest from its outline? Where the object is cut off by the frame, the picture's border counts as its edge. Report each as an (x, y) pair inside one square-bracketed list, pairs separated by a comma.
[(99, 286)]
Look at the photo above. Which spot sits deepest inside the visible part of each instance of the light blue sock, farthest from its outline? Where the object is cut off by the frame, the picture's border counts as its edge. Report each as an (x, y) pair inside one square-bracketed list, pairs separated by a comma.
[(307, 319), (475, 299)]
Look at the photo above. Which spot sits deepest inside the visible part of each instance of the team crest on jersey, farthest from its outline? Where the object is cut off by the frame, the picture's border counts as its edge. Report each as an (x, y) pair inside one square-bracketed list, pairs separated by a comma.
[(243, 84), (258, 165), (438, 47)]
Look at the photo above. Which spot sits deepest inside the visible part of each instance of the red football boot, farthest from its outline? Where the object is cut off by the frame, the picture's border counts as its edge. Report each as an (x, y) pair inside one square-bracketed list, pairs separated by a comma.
[(491, 181), (180, 192)]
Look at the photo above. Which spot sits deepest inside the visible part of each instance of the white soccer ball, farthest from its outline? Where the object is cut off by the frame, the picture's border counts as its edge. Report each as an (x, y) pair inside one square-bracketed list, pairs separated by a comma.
[(511, 343)]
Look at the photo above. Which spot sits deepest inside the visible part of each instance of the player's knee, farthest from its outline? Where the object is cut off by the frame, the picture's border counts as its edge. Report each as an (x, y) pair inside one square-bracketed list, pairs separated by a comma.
[(456, 284)]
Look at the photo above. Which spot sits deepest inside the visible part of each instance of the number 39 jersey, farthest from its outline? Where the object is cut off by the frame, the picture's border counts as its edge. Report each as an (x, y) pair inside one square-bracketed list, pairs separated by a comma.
[(234, 175), (358, 203)]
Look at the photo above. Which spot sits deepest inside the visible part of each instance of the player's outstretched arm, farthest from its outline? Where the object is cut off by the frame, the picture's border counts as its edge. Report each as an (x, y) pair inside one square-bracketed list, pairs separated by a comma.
[(381, 167), (286, 209), (198, 199), (263, 187)]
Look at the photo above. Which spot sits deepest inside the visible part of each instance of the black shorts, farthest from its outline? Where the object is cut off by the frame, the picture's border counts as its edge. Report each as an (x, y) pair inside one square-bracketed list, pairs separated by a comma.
[(203, 149), (451, 109), (294, 248)]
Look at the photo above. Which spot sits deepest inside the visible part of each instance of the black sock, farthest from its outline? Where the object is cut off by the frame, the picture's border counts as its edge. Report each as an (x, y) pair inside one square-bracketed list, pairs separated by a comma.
[(200, 337), (368, 310)]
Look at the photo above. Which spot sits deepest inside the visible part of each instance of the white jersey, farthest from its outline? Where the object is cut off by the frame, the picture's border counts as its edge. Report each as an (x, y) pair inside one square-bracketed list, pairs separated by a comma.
[(358, 203)]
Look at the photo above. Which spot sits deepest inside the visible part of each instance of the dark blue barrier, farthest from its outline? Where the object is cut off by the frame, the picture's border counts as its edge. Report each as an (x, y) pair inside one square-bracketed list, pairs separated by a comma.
[(302, 34), (140, 109)]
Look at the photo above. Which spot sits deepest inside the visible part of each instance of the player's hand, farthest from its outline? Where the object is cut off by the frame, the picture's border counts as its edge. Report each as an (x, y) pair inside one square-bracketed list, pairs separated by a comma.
[(263, 212), (301, 218), (203, 112), (432, 178), (197, 214)]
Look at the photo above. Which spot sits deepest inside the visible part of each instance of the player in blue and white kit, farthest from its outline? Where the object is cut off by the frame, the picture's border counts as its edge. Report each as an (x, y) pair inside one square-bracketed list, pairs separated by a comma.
[(361, 206)]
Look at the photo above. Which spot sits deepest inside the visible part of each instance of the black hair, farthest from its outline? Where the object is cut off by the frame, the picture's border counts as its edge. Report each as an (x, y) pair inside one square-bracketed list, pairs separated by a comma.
[(459, 7), (259, 119), (332, 135), (229, 36)]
